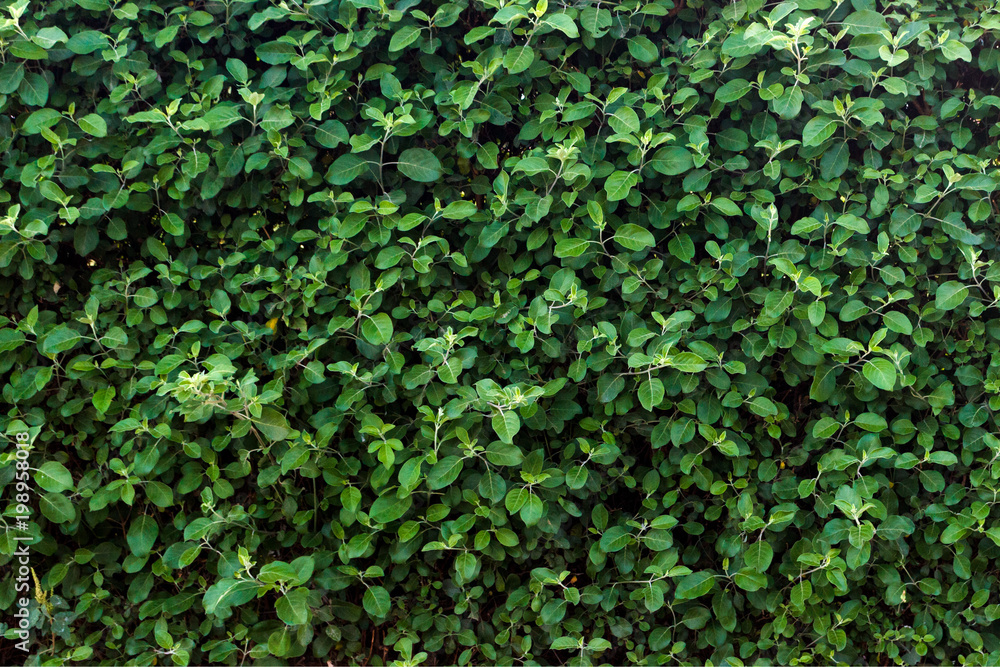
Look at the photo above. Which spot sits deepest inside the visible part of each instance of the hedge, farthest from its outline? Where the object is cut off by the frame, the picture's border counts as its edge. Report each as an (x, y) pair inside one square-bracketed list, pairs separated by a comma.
[(500, 332)]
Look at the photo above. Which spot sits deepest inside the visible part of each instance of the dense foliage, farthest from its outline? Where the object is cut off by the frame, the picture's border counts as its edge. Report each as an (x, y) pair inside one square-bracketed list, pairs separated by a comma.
[(502, 331)]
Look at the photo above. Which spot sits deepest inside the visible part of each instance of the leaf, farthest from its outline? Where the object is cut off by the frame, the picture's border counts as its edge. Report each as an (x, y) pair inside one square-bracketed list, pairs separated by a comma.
[(956, 228), (818, 130), (34, 90), (950, 295), (642, 49), (11, 75), (864, 22), (102, 398), (86, 41), (898, 322), (651, 393), (419, 164), (444, 472), (142, 535), (789, 103), (345, 169), (571, 247), (506, 425), (57, 508), (633, 237), (159, 494), (801, 593), (881, 373), (53, 476), (293, 607), (732, 90), (576, 477), (672, 160), (518, 59), (955, 50), (533, 510), (493, 487), (872, 422), (227, 593), (172, 224), (694, 586), (619, 184), (331, 134), (615, 539), (758, 556), (377, 329), (687, 362), (563, 23), (94, 125), (388, 507), (60, 339), (376, 602), (272, 424), (403, 37)]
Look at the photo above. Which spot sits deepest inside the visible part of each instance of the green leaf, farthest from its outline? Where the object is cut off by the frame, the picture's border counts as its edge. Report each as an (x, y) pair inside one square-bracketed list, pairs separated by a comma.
[(672, 160), (377, 602), (615, 539), (388, 507), (11, 75), (898, 322), (687, 362), (642, 49), (571, 247), (732, 90), (818, 130), (444, 472), (864, 22), (506, 425), (694, 586), (881, 373), (293, 607), (620, 183), (377, 329), (228, 593), (159, 494), (871, 422), (94, 125), (533, 510), (102, 398), (518, 59), (86, 41), (493, 487), (576, 477), (403, 37), (345, 169), (758, 556), (633, 237), (272, 424), (57, 508), (789, 103), (53, 476), (651, 393), (172, 224), (34, 90), (419, 164), (60, 339), (950, 295), (563, 23), (142, 535), (955, 50)]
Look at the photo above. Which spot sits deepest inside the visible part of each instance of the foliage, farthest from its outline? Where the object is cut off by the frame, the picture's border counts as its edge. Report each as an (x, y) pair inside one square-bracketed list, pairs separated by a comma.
[(503, 331)]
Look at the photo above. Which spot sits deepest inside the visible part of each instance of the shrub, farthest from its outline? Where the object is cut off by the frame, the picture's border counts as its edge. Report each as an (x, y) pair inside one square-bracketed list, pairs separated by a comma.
[(506, 333)]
